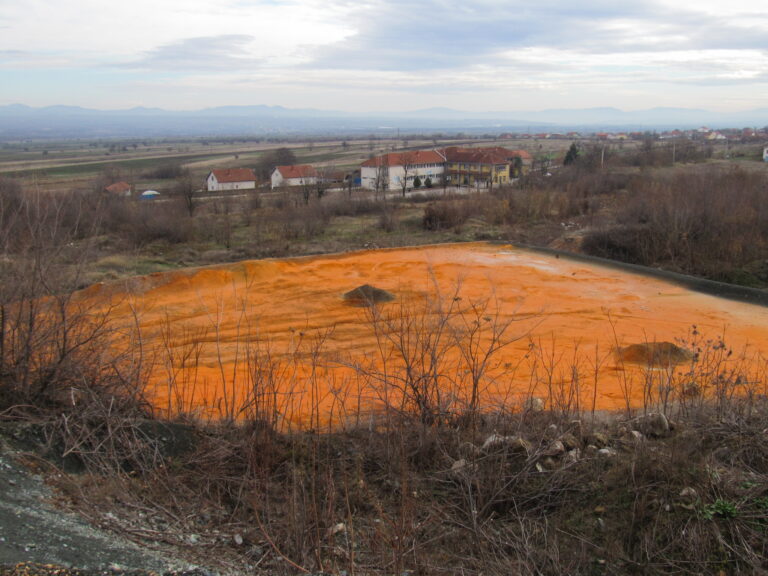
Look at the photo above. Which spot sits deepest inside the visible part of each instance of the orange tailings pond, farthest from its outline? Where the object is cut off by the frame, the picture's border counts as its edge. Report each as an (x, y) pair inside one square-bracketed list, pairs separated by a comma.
[(461, 325)]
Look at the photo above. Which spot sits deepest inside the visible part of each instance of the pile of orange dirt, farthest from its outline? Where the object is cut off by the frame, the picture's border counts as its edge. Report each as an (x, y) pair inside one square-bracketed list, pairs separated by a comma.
[(278, 339), (654, 354), (367, 295)]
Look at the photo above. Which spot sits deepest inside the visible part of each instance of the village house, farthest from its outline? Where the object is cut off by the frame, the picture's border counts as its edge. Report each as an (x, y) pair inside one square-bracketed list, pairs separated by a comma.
[(296, 175), (477, 167), (399, 170), (119, 189), (484, 167), (231, 179)]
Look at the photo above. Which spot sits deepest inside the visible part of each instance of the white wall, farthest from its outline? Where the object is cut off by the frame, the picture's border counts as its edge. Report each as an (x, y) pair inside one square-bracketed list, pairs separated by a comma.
[(395, 174), (216, 186), (278, 180)]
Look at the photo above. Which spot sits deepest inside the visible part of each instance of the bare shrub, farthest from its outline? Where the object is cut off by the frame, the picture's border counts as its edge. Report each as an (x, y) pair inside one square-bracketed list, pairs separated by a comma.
[(446, 214), (710, 224)]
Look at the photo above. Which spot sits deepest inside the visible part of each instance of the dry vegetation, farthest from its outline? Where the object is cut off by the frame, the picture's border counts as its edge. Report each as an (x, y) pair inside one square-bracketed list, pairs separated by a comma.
[(438, 482)]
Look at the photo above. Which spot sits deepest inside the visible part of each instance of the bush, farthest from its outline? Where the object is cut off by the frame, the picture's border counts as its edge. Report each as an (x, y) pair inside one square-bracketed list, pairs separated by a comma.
[(445, 214)]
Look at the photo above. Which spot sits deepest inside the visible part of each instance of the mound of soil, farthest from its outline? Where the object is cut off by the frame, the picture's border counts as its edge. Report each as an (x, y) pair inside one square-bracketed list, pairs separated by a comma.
[(367, 295), (654, 354)]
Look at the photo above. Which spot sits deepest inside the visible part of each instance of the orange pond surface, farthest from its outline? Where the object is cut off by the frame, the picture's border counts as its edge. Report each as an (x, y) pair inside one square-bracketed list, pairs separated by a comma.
[(276, 338)]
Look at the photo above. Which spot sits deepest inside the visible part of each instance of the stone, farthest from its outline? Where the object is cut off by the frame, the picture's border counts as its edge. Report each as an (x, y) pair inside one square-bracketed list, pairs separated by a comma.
[(572, 456), (570, 441), (689, 494), (591, 451), (598, 439), (632, 438), (337, 529), (511, 443), (468, 450), (238, 539), (459, 467), (654, 425), (606, 453), (556, 448), (534, 404)]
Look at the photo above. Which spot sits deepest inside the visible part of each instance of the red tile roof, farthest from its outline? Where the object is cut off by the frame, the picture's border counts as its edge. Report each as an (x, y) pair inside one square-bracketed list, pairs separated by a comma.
[(230, 175), (522, 154), (490, 155), (297, 171), (406, 158), (118, 188)]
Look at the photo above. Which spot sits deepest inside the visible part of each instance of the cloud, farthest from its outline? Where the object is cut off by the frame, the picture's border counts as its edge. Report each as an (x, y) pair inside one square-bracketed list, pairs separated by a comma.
[(376, 53), (398, 35), (197, 54)]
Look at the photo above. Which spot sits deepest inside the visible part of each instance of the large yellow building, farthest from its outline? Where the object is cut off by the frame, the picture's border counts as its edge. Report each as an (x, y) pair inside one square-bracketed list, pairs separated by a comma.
[(484, 167)]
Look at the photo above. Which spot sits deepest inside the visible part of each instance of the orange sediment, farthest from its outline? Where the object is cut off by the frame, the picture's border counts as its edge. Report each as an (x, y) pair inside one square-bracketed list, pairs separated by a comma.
[(277, 336)]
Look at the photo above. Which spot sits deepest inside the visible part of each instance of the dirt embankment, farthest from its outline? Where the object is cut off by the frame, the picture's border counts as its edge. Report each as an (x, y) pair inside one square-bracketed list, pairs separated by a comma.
[(36, 529)]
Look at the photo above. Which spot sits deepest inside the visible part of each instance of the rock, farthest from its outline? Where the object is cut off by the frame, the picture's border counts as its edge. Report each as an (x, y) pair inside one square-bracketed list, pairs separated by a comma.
[(534, 404), (337, 528), (591, 451), (512, 443), (632, 438), (606, 453), (468, 450), (575, 427), (570, 441), (459, 467), (555, 449), (238, 539), (654, 425), (572, 456), (551, 431), (688, 497), (598, 439)]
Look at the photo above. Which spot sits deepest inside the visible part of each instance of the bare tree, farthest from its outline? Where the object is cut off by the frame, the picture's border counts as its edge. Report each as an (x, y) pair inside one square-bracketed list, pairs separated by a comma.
[(185, 190), (406, 159)]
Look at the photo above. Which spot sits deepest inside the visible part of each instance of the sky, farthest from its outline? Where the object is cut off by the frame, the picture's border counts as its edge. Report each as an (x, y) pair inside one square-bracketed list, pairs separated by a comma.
[(365, 56)]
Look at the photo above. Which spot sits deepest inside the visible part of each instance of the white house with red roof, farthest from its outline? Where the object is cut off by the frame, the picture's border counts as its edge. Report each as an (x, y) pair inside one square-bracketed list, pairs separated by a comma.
[(296, 175), (399, 170), (231, 179)]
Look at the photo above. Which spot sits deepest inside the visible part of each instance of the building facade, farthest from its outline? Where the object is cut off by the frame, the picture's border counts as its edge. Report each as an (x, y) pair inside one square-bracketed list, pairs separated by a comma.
[(400, 170), (296, 175), (231, 179)]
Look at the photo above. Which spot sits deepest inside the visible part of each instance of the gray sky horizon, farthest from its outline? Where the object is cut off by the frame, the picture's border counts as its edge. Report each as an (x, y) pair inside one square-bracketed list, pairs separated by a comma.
[(388, 56)]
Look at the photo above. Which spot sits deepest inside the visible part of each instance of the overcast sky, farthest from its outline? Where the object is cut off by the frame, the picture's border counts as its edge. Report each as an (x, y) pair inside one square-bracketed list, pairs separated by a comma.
[(385, 55)]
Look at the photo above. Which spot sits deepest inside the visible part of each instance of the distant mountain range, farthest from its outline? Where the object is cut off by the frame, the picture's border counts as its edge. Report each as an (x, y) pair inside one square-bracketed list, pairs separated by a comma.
[(18, 121)]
